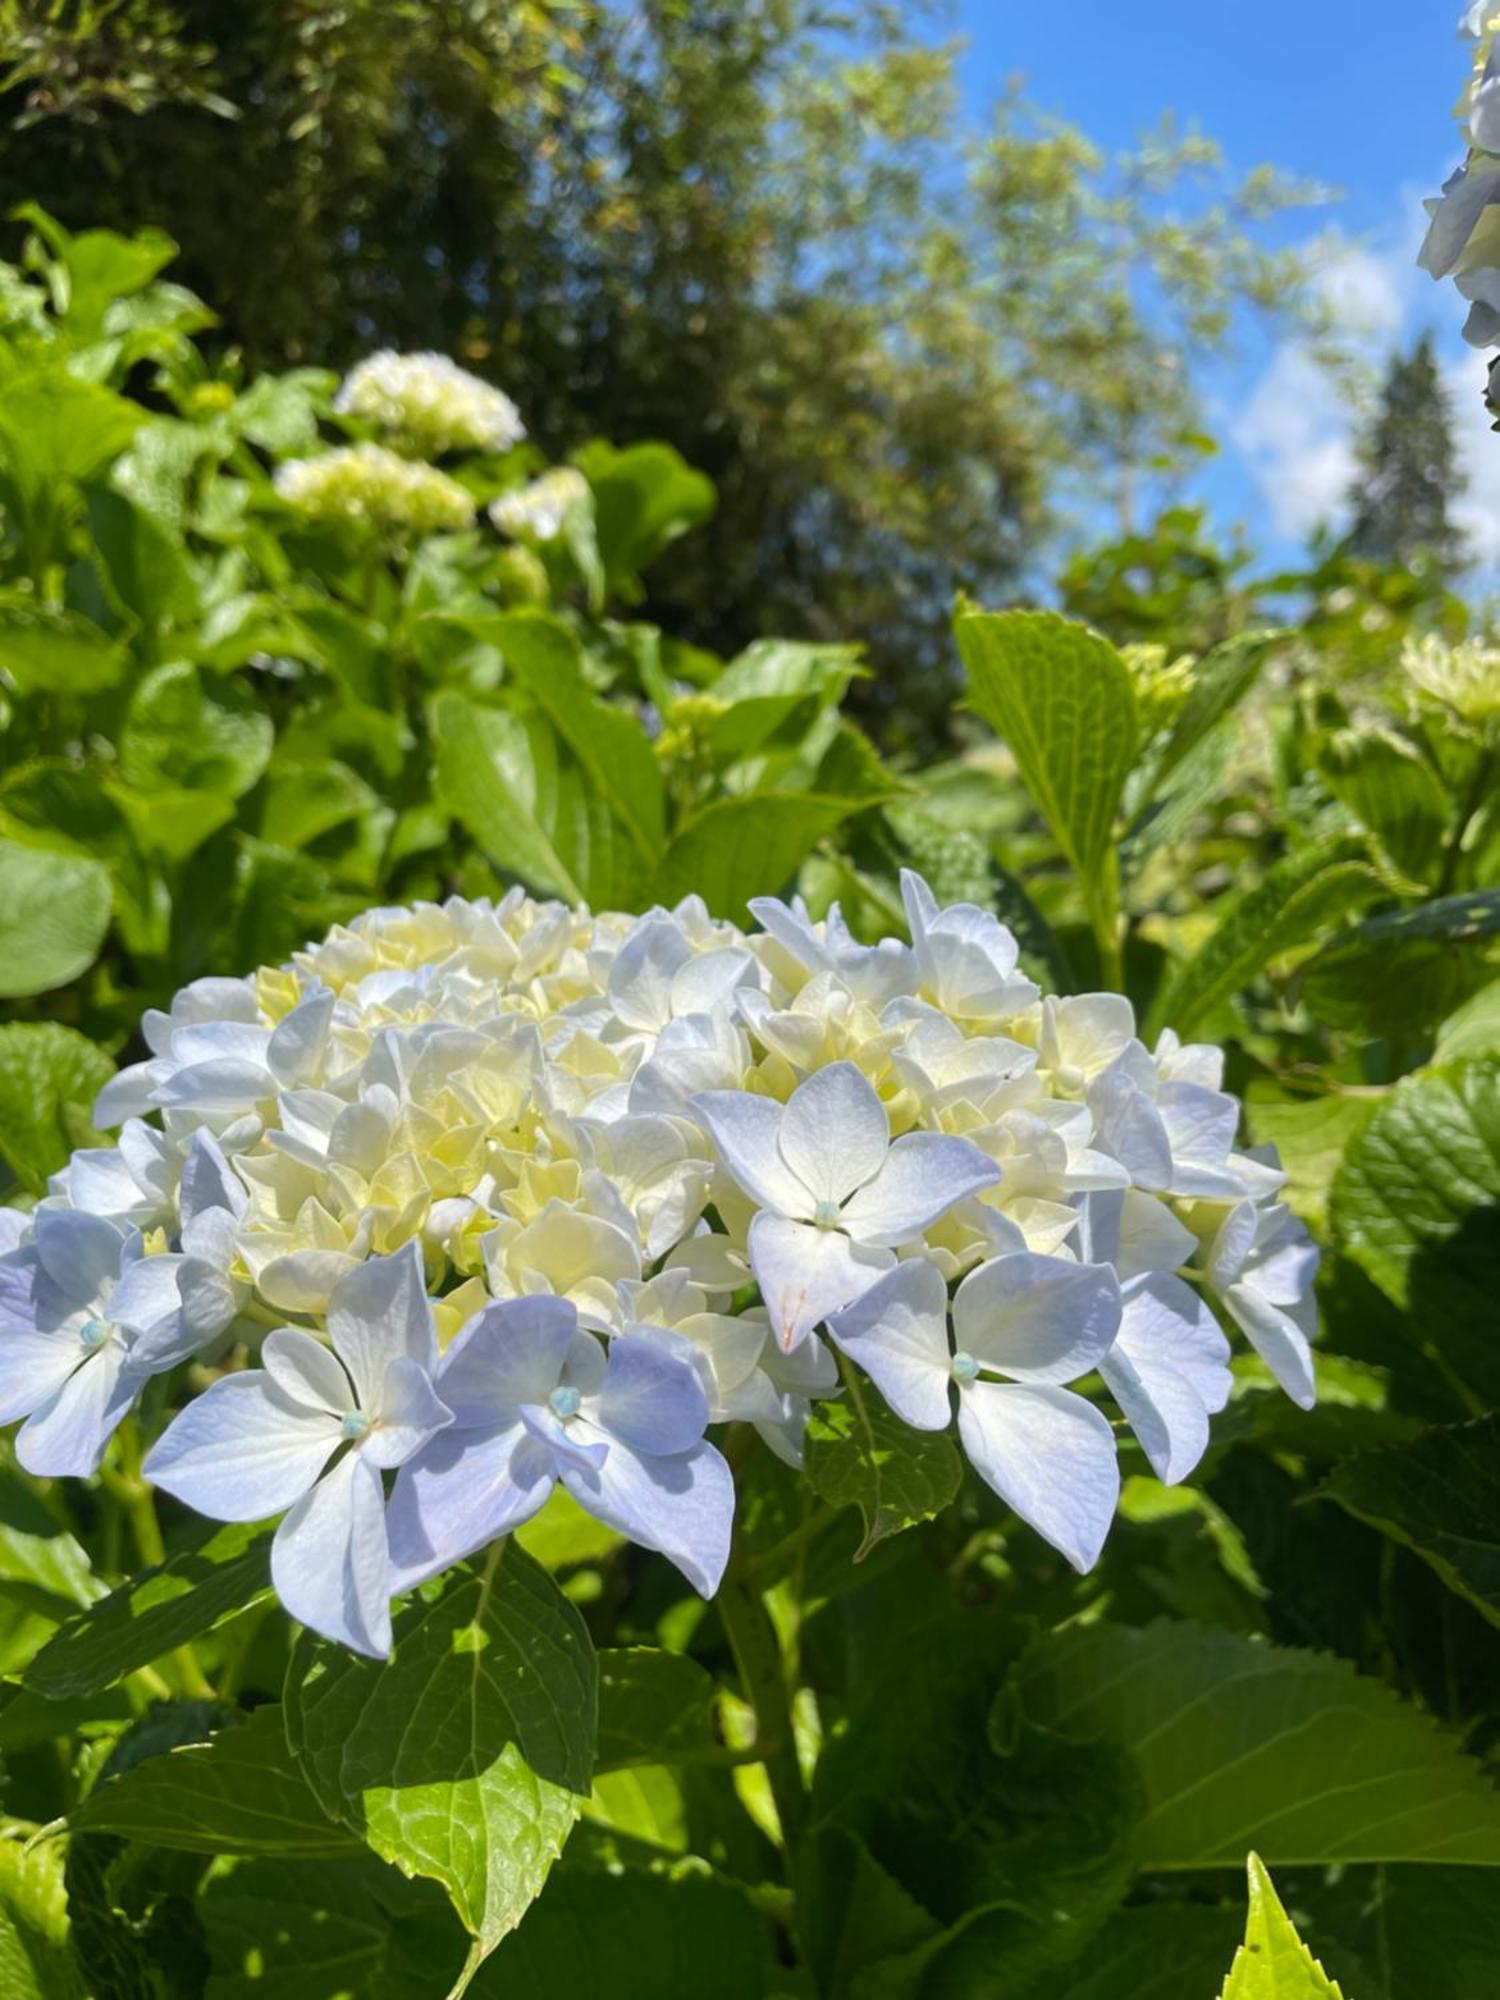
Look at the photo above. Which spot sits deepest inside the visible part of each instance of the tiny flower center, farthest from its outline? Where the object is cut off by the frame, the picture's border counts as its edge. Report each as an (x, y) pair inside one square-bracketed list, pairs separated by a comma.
[(93, 1334), (827, 1214), (1070, 1077), (565, 1400), (964, 1367), (354, 1426)]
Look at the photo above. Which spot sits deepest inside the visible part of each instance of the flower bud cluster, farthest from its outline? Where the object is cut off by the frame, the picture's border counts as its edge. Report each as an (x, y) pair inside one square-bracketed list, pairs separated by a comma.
[(473, 1200), (375, 491), (428, 405)]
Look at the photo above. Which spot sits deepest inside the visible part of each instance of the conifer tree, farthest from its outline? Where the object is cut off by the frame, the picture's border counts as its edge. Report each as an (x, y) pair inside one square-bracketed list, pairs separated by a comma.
[(1408, 474)]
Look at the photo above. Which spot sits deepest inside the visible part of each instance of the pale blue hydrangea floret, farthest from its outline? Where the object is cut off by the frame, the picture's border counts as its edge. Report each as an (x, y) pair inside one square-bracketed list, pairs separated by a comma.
[(536, 1400), (270, 1438), (86, 1317)]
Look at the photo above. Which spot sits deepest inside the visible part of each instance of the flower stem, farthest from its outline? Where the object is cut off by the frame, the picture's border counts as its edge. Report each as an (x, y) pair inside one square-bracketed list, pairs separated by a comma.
[(139, 1503), (757, 1658)]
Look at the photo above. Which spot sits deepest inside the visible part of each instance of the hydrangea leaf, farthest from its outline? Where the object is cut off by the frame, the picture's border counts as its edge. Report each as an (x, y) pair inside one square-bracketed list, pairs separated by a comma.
[(240, 1792), (1440, 1495), (185, 730), (49, 1078), (531, 805), (1414, 1205), (467, 1755), (860, 1455), (36, 1960), (1295, 903), (1061, 699), (654, 1708), (163, 1607), (739, 848), (54, 912), (1273, 1963), (1239, 1743)]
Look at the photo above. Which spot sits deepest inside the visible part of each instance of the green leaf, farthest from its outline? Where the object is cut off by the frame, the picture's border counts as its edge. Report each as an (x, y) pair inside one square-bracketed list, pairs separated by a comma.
[(1473, 1029), (1242, 1744), (54, 912), (531, 805), (1273, 1963), (1061, 698), (654, 1708), (1440, 1495), (1221, 680), (465, 1757), (1160, 1951), (1296, 901), (1415, 1206), (739, 848), (162, 1608), (787, 669), (1311, 1134), (57, 652), (562, 1534), (185, 730), (860, 1455), (49, 1078), (609, 744), (644, 498), (325, 1930), (55, 427), (36, 1962), (1392, 791), (52, 804), (37, 1550), (241, 1792), (145, 568), (628, 1935), (1402, 971)]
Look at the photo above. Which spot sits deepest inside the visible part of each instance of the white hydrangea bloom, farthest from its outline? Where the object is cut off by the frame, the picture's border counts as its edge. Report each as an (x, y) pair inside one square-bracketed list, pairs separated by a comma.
[(364, 486), (429, 405), (536, 512), (623, 1175)]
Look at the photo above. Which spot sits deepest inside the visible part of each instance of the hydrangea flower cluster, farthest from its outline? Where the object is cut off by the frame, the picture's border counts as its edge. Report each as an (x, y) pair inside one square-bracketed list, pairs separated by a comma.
[(1463, 235), (366, 487), (536, 512), (471, 1201), (428, 405)]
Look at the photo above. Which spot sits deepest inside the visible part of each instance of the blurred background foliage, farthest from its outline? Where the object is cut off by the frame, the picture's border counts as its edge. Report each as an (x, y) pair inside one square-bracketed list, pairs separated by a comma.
[(754, 229)]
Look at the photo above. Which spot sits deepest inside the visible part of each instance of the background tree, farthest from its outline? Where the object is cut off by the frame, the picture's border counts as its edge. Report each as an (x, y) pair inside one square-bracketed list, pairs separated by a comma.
[(1408, 476), (761, 232)]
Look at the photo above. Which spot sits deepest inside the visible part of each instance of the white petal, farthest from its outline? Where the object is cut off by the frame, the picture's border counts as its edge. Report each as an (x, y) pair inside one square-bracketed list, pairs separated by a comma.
[(898, 1333), (208, 1182), (130, 1094), (510, 1353), (67, 1435), (805, 1273), (1168, 1371), (649, 1398), (682, 1506), (1279, 1341), (1050, 1455), (304, 1369), (462, 1490), (1039, 1319), (329, 1561), (378, 1311), (408, 1414), (834, 1132), (295, 1049), (80, 1253), (924, 1174), (34, 1366), (147, 1292), (744, 1128), (242, 1450), (1129, 1126)]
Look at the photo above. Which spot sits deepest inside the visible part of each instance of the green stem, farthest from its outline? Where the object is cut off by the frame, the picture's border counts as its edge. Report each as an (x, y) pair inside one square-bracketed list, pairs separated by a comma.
[(1478, 791), (139, 1503), (757, 1658)]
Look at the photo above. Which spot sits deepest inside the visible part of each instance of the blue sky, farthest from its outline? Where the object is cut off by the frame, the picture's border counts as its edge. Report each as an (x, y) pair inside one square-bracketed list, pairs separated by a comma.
[(1356, 97)]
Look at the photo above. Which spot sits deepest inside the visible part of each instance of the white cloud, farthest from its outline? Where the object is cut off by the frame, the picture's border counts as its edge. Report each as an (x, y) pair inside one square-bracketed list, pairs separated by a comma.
[(1296, 430), (1295, 434)]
